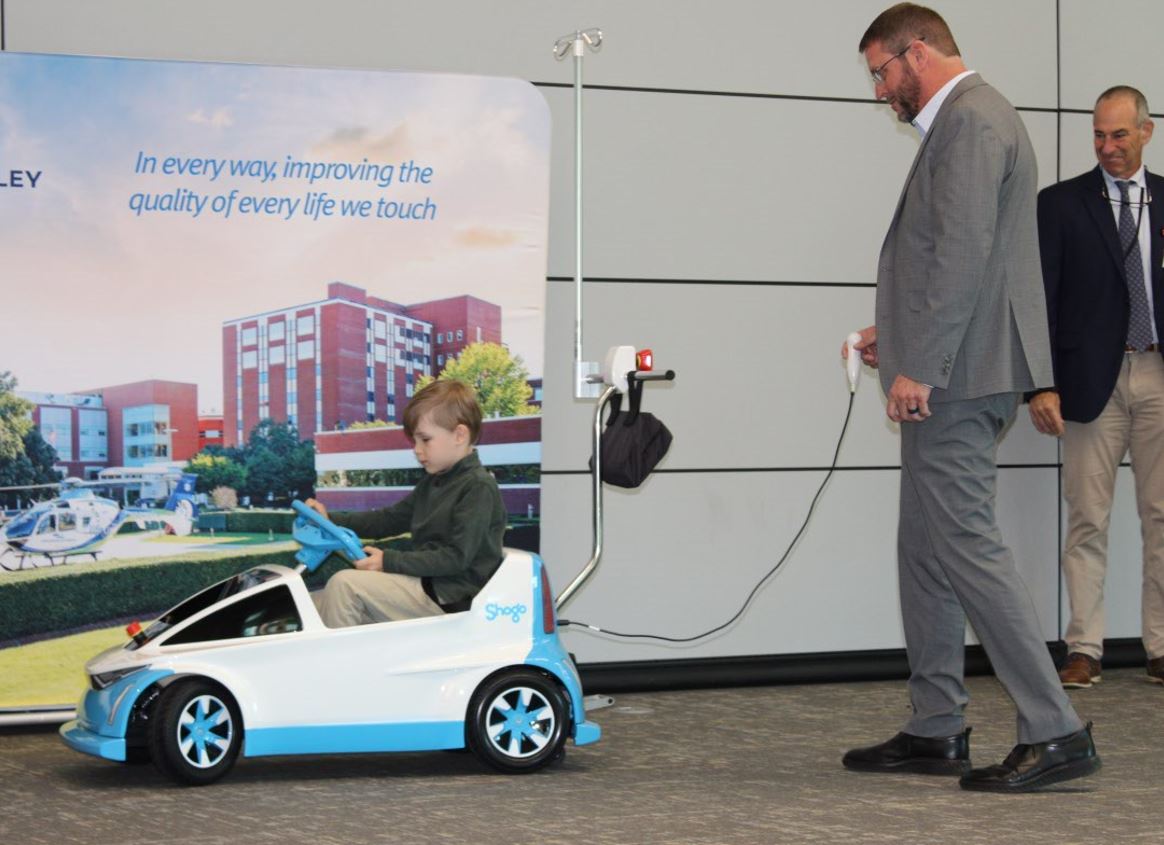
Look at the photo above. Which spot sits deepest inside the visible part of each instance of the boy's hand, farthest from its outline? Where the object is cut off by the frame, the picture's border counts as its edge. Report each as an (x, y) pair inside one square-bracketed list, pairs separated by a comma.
[(318, 507), (374, 562)]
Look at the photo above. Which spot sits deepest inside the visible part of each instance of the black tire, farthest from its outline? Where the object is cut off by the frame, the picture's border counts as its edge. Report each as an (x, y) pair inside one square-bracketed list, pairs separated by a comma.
[(137, 756), (500, 730), (196, 732)]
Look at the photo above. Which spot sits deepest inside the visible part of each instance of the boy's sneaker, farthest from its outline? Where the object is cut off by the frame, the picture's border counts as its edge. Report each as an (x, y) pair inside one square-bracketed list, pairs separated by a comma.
[(1080, 671)]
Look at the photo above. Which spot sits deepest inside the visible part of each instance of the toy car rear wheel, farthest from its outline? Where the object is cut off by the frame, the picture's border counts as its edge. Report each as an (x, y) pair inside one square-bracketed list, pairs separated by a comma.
[(197, 733), (518, 721)]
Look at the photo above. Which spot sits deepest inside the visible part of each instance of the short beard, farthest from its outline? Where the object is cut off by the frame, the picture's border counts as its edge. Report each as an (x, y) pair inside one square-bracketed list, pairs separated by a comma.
[(909, 96)]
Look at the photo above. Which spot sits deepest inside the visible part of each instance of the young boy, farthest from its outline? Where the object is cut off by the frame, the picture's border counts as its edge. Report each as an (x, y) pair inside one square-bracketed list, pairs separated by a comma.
[(455, 515)]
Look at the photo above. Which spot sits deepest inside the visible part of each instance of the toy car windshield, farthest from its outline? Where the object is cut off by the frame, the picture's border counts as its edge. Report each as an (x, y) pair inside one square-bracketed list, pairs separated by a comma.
[(234, 585)]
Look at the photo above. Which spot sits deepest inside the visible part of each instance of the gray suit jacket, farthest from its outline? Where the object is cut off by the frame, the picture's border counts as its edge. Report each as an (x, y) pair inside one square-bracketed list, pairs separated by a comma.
[(960, 303)]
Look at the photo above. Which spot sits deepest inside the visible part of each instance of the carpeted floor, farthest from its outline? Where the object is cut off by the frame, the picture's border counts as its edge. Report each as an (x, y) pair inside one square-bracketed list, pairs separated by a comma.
[(743, 765)]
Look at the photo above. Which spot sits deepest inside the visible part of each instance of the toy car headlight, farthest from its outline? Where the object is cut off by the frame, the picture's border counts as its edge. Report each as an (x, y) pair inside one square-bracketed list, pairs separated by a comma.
[(101, 680)]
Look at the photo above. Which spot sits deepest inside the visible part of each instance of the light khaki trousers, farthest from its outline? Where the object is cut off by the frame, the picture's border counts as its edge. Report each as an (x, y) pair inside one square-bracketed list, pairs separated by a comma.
[(359, 597), (1132, 420)]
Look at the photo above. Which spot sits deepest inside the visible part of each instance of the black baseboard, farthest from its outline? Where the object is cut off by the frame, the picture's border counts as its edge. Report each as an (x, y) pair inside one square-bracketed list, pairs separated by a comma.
[(823, 667)]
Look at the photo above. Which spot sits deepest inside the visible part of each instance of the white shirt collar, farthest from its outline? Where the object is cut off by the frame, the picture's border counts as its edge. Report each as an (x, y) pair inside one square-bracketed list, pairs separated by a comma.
[(925, 118), (1113, 189)]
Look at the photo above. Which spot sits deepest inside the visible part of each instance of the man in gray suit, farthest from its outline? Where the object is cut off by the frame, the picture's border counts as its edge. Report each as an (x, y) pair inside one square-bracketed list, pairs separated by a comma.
[(961, 333)]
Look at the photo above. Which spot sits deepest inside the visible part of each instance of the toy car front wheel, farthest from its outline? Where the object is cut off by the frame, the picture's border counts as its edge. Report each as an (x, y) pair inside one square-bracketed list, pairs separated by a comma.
[(518, 721), (196, 734)]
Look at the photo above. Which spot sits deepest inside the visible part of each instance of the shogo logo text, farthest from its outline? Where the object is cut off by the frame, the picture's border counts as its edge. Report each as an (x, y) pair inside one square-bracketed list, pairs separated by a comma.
[(513, 611)]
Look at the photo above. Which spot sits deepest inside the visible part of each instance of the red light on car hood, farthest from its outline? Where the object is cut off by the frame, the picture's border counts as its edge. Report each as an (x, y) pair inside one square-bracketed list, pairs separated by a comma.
[(133, 629)]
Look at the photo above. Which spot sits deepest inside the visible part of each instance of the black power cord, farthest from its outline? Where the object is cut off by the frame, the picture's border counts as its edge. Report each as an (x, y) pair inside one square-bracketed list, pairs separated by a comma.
[(760, 583)]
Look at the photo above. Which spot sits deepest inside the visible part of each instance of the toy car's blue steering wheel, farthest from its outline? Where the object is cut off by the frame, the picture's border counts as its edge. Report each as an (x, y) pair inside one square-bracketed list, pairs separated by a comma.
[(319, 537)]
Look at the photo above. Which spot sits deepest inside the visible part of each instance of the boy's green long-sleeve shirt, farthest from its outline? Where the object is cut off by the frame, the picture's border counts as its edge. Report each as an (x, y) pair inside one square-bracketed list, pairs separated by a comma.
[(457, 521)]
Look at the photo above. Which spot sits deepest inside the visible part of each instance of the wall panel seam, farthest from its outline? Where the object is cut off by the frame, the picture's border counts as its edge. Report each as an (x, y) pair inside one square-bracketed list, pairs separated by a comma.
[(737, 470), (1059, 178), (751, 95), (740, 282)]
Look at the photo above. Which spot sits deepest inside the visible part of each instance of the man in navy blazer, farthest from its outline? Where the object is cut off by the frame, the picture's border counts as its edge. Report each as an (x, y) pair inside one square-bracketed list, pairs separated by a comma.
[(1101, 236)]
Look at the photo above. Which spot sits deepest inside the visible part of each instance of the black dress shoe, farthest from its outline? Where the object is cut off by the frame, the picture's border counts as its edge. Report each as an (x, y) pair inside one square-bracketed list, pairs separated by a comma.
[(1034, 766), (945, 755)]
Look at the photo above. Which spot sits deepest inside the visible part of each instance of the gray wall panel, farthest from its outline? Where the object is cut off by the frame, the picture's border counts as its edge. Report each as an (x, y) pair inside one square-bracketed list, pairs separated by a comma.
[(755, 386), (760, 381), (1112, 43), (1028, 512), (683, 552), (837, 591), (1043, 130), (687, 187), (696, 187), (741, 45)]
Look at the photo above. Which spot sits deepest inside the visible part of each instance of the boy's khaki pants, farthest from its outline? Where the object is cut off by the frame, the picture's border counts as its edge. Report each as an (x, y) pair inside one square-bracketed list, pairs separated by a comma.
[(359, 597)]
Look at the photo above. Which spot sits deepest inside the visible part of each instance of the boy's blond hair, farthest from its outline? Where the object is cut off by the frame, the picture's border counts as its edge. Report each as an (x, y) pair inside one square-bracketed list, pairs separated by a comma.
[(450, 402)]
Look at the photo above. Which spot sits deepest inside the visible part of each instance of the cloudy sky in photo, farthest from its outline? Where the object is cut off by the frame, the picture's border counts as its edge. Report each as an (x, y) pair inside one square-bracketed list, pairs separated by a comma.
[(94, 294)]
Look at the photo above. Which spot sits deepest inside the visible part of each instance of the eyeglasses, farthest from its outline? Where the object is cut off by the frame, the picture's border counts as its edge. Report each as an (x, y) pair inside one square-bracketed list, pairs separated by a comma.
[(1145, 196), (878, 76), (1144, 200)]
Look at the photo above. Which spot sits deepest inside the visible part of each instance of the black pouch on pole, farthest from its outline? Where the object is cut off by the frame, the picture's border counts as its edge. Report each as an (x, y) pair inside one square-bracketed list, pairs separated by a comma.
[(632, 443)]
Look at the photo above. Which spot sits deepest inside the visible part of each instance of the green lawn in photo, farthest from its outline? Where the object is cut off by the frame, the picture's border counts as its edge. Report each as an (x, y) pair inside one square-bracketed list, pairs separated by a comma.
[(51, 672), (204, 538)]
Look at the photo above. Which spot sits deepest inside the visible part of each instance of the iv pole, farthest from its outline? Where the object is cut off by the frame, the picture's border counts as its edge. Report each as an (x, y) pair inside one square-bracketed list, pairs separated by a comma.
[(575, 44), (590, 382)]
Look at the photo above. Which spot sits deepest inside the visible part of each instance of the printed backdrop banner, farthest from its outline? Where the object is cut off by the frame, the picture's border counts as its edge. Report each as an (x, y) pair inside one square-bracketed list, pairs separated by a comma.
[(250, 243)]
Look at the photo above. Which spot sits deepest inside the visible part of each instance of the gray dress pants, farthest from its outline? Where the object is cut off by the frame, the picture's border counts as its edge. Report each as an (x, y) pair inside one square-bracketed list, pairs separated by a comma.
[(952, 565)]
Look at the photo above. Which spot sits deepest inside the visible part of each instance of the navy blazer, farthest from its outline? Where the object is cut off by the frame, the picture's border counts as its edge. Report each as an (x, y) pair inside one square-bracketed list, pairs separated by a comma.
[(1087, 295)]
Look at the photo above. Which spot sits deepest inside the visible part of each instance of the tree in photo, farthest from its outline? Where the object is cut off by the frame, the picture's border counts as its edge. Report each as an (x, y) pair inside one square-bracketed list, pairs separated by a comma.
[(15, 421), (500, 379), (216, 470), (26, 458), (278, 465), (40, 458)]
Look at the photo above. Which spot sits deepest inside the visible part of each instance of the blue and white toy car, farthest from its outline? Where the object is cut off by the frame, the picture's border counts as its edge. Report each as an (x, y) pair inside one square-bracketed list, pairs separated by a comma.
[(247, 666)]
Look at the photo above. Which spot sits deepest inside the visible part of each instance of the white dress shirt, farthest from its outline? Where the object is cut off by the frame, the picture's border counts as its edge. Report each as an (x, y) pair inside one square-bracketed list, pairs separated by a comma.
[(925, 117)]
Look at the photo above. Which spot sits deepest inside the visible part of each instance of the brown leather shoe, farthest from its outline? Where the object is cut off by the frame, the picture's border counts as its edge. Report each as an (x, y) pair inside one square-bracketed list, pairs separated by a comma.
[(1156, 670), (1080, 671)]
